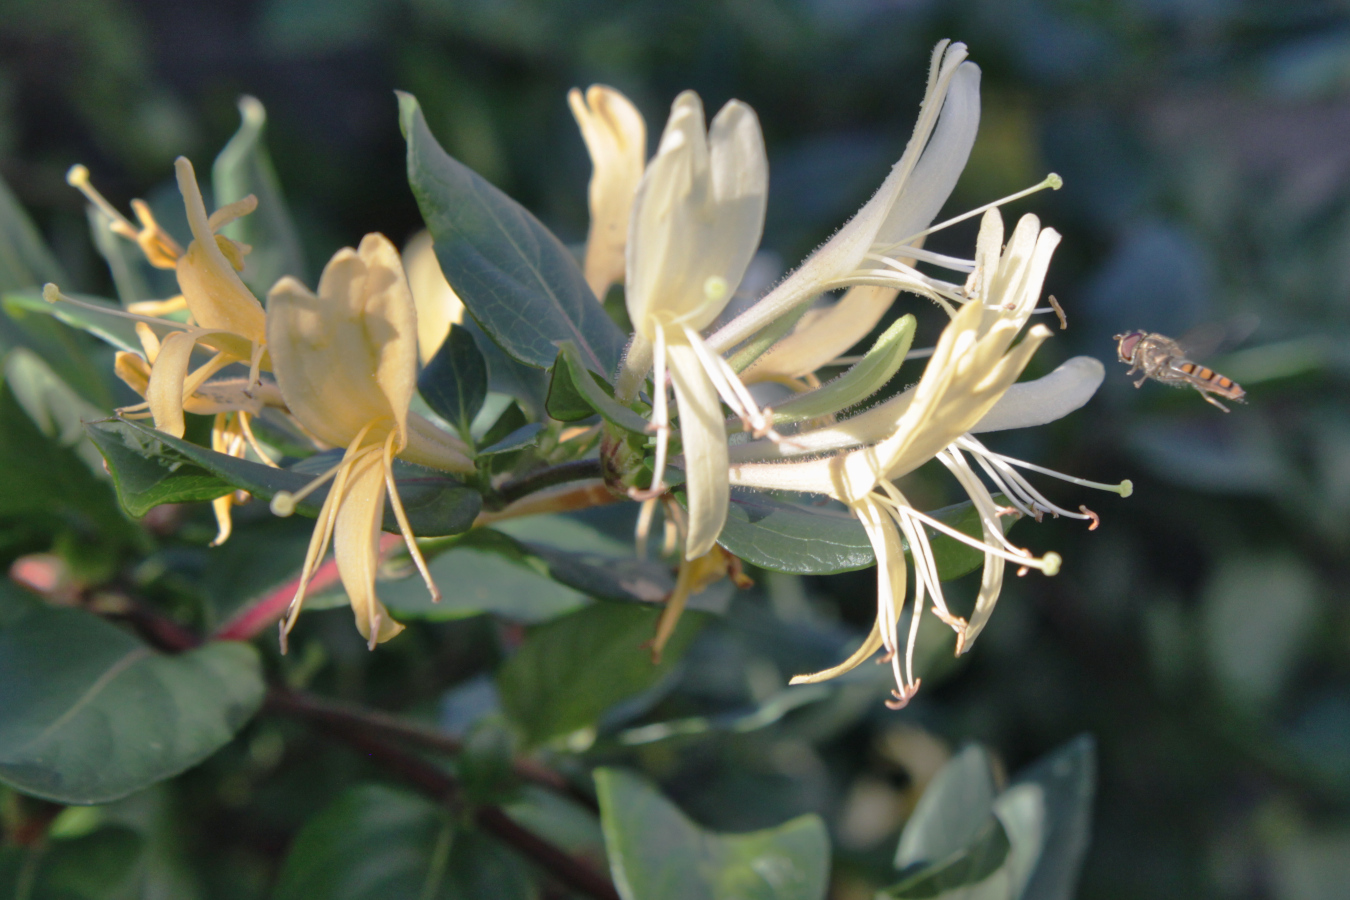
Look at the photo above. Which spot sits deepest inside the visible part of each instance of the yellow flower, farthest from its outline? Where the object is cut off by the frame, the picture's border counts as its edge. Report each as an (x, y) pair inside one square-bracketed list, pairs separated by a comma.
[(438, 306), (694, 227), (616, 138), (346, 363), (223, 314)]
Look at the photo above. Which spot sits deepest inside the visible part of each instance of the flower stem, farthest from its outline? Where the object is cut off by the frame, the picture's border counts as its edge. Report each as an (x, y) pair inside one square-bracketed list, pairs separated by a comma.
[(576, 470)]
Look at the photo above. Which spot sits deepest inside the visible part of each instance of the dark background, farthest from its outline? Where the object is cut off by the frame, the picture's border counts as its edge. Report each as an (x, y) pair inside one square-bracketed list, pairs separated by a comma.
[(1201, 633)]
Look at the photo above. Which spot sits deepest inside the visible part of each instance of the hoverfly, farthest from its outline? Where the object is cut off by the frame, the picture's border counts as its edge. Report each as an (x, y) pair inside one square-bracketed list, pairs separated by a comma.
[(1162, 359)]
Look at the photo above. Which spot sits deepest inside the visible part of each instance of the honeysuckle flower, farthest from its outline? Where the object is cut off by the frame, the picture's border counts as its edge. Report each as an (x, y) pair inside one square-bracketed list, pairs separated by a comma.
[(616, 139), (438, 306), (973, 367), (232, 402), (872, 246), (345, 361), (694, 228), (223, 314)]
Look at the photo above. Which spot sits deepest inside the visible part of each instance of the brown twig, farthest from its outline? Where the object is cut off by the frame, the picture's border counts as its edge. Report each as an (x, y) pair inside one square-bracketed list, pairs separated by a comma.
[(327, 712), (440, 786)]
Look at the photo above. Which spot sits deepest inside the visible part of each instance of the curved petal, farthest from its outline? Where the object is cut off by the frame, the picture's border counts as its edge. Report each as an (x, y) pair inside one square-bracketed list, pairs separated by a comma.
[(212, 288), (820, 338), (616, 139), (164, 392), (356, 546), (1045, 399), (438, 306), (704, 438)]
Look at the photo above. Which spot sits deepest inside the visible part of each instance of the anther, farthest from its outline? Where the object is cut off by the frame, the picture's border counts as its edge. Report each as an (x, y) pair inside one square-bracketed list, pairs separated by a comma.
[(1096, 519)]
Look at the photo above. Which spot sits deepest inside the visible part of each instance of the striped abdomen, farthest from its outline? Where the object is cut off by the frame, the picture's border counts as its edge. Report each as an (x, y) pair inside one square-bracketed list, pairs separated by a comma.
[(1210, 380)]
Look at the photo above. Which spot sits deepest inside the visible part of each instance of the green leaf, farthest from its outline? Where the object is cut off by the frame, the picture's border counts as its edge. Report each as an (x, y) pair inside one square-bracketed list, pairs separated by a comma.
[(968, 867), (951, 811), (46, 483), (145, 476), (864, 379), (455, 381), (380, 843), (25, 260), (511, 420), (657, 853), (242, 168), (484, 573), (81, 362), (94, 866), (574, 388), (569, 671), (92, 713), (436, 503), (1064, 782), (519, 281), (803, 540), (130, 270), (55, 408)]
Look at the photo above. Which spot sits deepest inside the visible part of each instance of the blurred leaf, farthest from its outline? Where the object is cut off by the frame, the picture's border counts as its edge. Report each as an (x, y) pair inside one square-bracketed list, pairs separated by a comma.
[(959, 876), (803, 540), (57, 411), (519, 281), (242, 168), (657, 853), (952, 811), (1066, 780), (436, 504), (92, 713), (82, 363), (45, 481), (511, 420), (569, 671), (126, 263), (1258, 611), (522, 437), (455, 381), (94, 866), (381, 843), (25, 260)]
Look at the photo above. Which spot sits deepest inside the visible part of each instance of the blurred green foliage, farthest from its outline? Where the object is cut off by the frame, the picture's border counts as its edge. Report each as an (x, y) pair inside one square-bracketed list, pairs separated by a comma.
[(1199, 633)]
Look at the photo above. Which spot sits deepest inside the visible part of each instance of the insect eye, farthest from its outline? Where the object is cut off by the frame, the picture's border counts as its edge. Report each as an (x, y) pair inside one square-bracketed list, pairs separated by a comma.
[(1128, 343)]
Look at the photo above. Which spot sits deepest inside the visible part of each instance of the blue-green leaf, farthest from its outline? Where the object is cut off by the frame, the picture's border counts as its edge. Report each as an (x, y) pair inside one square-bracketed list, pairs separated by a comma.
[(570, 670), (381, 843), (455, 381), (657, 853), (93, 714), (519, 281), (436, 503), (815, 540), (242, 168)]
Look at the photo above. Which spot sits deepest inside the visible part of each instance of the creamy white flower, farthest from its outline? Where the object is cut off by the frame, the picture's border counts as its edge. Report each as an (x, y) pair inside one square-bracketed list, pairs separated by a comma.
[(694, 228), (972, 369)]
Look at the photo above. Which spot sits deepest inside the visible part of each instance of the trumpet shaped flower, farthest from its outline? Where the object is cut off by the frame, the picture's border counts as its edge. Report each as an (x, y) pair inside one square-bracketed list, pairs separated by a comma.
[(695, 225), (346, 363), (973, 367)]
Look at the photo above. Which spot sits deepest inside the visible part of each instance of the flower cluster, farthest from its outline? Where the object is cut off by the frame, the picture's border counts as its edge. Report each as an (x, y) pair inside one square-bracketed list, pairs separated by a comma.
[(696, 219), (343, 366), (679, 232)]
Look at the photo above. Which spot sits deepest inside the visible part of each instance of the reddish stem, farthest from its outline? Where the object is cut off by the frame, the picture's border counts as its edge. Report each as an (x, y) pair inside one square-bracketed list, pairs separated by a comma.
[(249, 622)]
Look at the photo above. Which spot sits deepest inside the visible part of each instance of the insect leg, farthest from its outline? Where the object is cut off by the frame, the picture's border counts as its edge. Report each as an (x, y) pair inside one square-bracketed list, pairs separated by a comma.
[(1210, 399)]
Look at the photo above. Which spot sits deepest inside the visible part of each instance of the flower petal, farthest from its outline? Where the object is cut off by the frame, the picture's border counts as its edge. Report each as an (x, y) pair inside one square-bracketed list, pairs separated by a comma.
[(823, 335), (438, 306), (616, 138), (1045, 399), (356, 546), (704, 437), (212, 288), (348, 356)]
